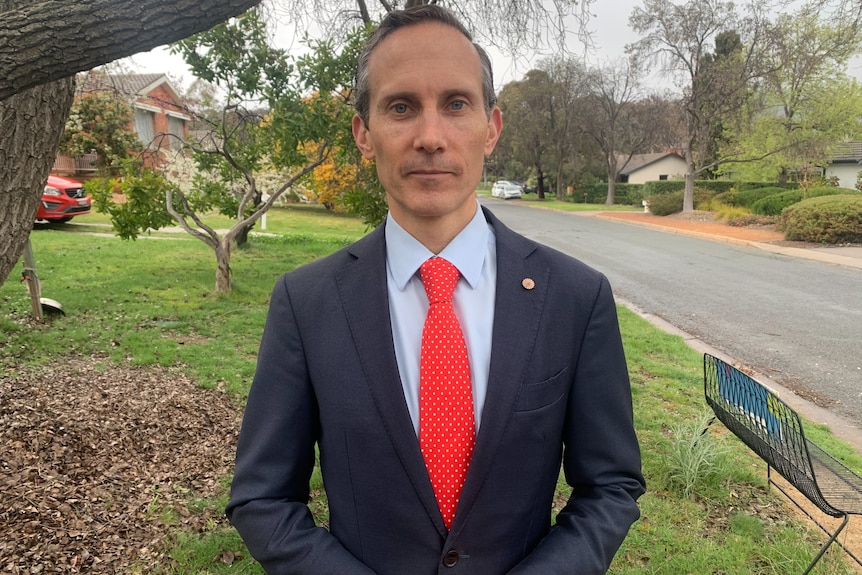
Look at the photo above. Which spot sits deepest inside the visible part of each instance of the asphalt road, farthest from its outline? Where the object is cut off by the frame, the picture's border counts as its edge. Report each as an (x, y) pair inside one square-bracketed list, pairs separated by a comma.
[(798, 321)]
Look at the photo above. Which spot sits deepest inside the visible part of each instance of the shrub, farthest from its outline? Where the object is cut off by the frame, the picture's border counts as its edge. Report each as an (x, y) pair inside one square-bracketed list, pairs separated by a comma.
[(774, 204), (827, 219), (727, 198), (666, 204), (747, 198)]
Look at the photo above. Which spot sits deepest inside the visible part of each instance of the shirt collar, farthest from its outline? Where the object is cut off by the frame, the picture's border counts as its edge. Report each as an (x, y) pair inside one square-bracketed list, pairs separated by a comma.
[(404, 253)]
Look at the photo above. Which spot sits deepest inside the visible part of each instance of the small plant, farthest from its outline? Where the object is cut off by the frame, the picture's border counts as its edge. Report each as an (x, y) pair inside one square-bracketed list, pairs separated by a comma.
[(743, 219), (729, 213), (694, 454)]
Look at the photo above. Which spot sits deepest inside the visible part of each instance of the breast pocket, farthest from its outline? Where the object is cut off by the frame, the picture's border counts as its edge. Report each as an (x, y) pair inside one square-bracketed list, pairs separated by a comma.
[(538, 395)]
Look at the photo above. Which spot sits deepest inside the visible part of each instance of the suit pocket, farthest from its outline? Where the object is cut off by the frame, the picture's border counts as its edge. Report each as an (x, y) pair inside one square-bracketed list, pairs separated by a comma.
[(538, 395)]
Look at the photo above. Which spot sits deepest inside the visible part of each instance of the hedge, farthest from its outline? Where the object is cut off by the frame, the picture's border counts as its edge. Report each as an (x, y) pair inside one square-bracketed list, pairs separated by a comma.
[(658, 187), (666, 204), (826, 219), (597, 193)]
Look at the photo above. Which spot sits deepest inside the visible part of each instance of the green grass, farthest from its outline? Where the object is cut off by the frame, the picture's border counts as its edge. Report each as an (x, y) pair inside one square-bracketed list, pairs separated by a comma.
[(152, 302)]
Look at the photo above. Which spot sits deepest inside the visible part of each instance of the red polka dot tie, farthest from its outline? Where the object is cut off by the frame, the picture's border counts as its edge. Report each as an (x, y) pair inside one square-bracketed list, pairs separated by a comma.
[(446, 429)]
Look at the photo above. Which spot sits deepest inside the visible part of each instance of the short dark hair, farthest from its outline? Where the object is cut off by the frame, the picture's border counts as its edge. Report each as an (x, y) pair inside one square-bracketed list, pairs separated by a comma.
[(410, 17)]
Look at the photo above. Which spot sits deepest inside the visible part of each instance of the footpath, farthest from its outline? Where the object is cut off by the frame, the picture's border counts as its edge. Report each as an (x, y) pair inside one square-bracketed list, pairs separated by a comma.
[(761, 238)]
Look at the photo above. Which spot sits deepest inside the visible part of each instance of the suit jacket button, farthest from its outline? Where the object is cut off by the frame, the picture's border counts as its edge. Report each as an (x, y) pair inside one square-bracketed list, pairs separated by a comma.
[(450, 559)]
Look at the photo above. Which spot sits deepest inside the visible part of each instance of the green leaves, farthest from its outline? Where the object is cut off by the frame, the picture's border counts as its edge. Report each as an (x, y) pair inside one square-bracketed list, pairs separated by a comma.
[(100, 122), (135, 201)]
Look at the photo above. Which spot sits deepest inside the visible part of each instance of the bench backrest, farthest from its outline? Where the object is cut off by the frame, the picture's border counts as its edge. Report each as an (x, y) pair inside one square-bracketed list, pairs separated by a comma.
[(767, 425)]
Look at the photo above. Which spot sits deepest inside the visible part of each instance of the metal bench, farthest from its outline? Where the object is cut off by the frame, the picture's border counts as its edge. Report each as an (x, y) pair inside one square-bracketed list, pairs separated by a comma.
[(773, 430)]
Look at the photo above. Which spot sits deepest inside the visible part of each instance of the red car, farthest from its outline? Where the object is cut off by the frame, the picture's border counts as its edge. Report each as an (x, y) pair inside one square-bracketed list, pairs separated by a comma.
[(62, 200)]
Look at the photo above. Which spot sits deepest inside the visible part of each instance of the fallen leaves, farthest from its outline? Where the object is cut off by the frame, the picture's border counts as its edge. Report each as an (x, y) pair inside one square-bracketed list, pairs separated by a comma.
[(97, 460)]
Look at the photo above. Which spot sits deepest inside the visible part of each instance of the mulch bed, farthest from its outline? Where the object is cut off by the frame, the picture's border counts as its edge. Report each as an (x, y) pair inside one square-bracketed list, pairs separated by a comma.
[(97, 460)]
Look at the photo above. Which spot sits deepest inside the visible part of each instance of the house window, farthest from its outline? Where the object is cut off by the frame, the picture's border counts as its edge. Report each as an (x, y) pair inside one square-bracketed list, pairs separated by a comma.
[(144, 126), (662, 177), (176, 128)]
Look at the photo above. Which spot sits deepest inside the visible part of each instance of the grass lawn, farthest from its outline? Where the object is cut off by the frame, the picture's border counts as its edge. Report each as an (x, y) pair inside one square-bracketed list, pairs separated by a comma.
[(707, 510)]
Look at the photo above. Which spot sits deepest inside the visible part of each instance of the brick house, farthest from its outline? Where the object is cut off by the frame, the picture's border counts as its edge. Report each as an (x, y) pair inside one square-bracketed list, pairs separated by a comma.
[(160, 120)]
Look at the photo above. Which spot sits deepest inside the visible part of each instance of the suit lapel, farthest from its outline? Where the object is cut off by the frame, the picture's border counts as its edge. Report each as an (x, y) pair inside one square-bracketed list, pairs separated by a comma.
[(518, 307), (363, 292)]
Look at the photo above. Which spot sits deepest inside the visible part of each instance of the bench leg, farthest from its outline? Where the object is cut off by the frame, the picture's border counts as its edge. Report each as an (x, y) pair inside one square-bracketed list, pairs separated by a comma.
[(826, 545), (832, 536)]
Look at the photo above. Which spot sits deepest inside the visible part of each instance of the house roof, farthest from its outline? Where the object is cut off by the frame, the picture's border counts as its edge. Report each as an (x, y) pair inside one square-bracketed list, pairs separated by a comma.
[(132, 86), (848, 153), (639, 161)]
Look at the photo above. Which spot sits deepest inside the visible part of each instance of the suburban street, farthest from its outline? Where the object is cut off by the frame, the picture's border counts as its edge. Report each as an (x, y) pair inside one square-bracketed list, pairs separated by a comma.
[(796, 320)]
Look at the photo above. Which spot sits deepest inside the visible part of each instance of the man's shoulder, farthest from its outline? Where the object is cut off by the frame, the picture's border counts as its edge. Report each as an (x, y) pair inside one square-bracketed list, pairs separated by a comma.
[(366, 247)]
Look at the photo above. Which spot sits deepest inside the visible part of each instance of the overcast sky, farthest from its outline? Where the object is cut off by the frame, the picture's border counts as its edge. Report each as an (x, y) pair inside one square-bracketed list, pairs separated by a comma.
[(608, 25)]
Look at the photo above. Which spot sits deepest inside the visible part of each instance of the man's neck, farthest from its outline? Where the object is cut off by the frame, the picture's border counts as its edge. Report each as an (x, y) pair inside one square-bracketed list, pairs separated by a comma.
[(435, 233)]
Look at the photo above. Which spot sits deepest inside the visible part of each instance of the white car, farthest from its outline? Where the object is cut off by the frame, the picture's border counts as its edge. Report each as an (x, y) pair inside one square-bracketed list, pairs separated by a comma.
[(505, 190)]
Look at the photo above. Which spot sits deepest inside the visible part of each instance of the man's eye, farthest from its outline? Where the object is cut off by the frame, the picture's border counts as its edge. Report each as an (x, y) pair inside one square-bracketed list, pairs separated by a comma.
[(458, 105), (400, 108)]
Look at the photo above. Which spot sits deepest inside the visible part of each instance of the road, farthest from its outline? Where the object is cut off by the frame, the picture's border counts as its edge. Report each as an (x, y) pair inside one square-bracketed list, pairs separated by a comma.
[(796, 320)]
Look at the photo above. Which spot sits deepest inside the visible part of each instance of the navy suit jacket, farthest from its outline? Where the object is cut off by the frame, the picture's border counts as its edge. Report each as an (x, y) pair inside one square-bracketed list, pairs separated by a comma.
[(558, 392)]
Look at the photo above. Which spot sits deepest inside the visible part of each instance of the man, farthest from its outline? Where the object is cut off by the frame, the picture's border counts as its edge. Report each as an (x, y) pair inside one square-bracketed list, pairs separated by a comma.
[(343, 362)]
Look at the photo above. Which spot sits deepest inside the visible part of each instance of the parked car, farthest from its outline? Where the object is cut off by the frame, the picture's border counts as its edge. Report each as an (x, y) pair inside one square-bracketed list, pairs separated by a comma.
[(505, 190), (62, 200)]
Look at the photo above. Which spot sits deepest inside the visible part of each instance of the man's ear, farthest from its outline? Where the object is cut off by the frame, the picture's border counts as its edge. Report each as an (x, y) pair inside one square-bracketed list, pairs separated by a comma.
[(495, 126), (360, 136)]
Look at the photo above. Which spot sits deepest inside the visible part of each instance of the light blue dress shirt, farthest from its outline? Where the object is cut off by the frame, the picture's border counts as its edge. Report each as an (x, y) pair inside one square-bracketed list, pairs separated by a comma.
[(473, 252)]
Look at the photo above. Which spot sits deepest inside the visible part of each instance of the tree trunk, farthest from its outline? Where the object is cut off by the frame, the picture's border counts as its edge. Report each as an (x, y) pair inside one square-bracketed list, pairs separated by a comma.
[(540, 183), (688, 198), (241, 237), (31, 123), (612, 190), (561, 190), (222, 253), (44, 41), (613, 172)]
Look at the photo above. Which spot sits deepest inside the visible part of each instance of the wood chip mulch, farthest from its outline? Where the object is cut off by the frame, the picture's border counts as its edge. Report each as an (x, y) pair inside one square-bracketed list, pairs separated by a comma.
[(98, 464)]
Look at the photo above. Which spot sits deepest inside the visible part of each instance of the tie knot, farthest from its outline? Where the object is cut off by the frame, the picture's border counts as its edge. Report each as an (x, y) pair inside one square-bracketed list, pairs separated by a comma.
[(439, 277)]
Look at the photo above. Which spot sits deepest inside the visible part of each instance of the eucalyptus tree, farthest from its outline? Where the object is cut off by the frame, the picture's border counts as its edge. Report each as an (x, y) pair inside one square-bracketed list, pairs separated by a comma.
[(528, 118), (568, 88), (682, 38), (620, 118)]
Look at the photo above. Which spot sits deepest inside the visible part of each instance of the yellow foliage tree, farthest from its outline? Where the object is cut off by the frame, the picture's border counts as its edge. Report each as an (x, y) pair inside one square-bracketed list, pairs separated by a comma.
[(338, 176)]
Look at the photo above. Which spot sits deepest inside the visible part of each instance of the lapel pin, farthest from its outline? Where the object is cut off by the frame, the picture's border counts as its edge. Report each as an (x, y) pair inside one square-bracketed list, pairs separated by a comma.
[(528, 283)]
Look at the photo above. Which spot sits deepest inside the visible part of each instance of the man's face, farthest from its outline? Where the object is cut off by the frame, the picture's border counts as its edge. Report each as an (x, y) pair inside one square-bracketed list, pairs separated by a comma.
[(427, 128)]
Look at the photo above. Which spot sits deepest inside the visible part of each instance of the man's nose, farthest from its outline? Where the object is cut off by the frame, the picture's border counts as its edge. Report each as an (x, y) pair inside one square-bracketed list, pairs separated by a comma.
[(430, 132)]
